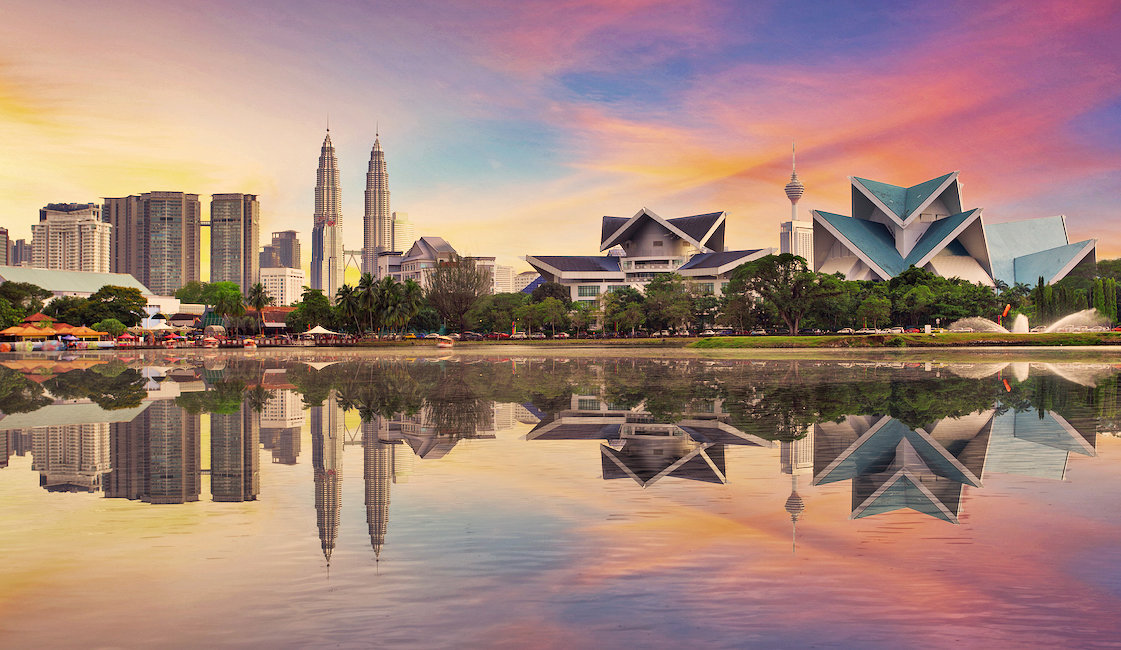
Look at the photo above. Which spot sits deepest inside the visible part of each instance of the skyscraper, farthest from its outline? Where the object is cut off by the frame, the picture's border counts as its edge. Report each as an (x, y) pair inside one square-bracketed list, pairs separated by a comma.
[(327, 263), (378, 222), (5, 247), (21, 253), (796, 236), (403, 232), (235, 224), (234, 458), (287, 247), (156, 238), (71, 237), (327, 463)]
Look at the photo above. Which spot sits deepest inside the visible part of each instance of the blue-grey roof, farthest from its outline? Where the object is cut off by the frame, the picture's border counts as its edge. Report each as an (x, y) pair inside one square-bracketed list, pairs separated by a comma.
[(903, 201), (876, 241), (610, 225), (715, 260), (580, 262), (869, 457), (1048, 263), (1007, 241), (696, 226), (900, 491), (538, 281)]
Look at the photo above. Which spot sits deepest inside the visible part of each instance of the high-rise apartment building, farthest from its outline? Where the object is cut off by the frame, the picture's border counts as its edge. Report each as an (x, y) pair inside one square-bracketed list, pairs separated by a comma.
[(283, 284), (524, 279), (281, 421), (327, 263), (269, 258), (21, 253), (71, 237), (234, 459), (5, 247), (235, 224), (377, 223), (796, 236), (404, 234), (503, 279), (156, 238), (71, 457)]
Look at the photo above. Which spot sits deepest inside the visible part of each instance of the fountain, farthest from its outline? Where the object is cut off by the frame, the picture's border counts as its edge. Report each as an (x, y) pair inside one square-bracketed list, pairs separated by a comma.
[(1080, 320), (978, 324), (1020, 324)]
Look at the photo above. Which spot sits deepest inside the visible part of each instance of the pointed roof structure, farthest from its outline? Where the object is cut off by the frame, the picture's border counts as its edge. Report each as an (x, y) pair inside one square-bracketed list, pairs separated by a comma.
[(704, 231)]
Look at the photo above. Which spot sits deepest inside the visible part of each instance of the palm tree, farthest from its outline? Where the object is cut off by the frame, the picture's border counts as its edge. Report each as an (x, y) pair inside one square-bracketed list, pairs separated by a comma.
[(347, 301), (412, 296), (258, 299), (229, 304), (367, 297), (388, 292)]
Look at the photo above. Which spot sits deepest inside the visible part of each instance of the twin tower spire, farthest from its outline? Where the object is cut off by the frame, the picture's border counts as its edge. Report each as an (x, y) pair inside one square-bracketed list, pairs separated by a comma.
[(328, 263)]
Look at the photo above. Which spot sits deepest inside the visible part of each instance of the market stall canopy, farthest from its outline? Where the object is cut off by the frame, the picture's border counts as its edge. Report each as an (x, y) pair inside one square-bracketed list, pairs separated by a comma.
[(320, 330)]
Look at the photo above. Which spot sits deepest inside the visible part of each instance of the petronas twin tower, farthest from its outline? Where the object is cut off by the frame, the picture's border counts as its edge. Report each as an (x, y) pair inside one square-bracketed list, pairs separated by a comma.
[(328, 262)]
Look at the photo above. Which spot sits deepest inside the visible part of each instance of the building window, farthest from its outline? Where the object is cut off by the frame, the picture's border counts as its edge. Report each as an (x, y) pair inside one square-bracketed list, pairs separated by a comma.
[(590, 303), (616, 287), (587, 290), (585, 404), (658, 244), (705, 287), (723, 287)]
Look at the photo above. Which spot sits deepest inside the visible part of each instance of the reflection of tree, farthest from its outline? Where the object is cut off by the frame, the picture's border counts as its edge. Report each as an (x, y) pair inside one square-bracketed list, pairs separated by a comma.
[(18, 394), (223, 397), (257, 397), (111, 389)]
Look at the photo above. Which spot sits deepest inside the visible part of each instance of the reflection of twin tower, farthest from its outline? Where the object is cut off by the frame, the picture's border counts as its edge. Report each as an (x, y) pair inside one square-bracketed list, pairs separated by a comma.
[(385, 460)]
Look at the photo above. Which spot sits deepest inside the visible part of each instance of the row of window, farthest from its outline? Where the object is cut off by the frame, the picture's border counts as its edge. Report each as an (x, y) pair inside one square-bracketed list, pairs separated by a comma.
[(592, 290)]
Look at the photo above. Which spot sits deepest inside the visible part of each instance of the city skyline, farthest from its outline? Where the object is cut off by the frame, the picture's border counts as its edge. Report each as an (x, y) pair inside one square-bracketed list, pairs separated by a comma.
[(530, 117)]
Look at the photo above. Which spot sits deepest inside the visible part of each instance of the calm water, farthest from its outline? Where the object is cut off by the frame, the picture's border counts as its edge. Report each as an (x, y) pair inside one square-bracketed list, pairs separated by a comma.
[(544, 501)]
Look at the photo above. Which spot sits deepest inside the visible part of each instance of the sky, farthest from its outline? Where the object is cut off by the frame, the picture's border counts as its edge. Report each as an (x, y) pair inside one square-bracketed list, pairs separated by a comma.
[(511, 127)]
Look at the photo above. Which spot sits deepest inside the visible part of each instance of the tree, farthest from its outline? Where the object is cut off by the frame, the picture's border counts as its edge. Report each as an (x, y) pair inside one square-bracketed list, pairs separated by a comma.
[(874, 310), (552, 290), (258, 299), (72, 310), (784, 283), (194, 292), (495, 313), (347, 304), (125, 304), (367, 300), (582, 316), (624, 300), (24, 296), (9, 315), (110, 325), (552, 312), (454, 286), (313, 309), (667, 304)]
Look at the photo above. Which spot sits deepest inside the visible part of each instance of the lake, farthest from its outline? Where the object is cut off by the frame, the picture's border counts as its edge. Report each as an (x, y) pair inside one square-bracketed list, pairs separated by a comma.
[(510, 497)]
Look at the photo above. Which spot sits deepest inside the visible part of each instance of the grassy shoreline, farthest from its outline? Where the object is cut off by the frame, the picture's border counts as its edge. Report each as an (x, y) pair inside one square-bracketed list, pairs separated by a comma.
[(947, 340)]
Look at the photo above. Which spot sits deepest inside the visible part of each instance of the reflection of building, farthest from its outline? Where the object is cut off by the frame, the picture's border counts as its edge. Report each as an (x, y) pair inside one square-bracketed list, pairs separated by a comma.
[(377, 470), (234, 460), (156, 456), (327, 463), (647, 451), (281, 421), (927, 226), (644, 246), (893, 466), (71, 457)]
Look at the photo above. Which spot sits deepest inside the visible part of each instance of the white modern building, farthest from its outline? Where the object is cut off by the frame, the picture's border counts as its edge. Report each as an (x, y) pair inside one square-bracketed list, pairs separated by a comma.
[(404, 234), (524, 279), (283, 284), (71, 237), (644, 246), (927, 226), (503, 279)]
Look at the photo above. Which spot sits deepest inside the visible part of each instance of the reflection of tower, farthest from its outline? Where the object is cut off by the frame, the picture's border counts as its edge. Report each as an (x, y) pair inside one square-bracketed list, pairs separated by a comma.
[(327, 462), (234, 459), (128, 454), (796, 236), (281, 421), (71, 457), (378, 465), (796, 458), (174, 464)]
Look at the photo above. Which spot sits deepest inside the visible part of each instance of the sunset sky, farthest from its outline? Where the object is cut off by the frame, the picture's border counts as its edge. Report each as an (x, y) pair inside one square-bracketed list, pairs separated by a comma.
[(511, 127)]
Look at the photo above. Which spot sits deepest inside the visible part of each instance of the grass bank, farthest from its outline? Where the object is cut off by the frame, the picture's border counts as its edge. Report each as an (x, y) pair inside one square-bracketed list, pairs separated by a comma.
[(957, 339)]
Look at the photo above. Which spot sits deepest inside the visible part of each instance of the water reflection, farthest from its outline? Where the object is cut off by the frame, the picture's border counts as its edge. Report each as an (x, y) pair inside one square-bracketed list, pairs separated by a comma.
[(905, 436)]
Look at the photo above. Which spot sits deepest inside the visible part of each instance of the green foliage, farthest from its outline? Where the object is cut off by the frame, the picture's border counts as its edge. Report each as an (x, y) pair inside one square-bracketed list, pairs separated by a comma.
[(9, 315), (125, 304), (111, 391), (18, 394), (668, 304), (312, 310), (257, 298), (454, 287), (785, 284), (874, 311), (68, 309), (496, 313), (623, 309), (194, 292), (582, 316), (110, 325), (25, 297), (552, 290)]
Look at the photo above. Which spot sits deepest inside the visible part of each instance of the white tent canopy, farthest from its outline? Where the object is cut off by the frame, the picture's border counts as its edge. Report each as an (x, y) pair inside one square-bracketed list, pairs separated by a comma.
[(319, 329)]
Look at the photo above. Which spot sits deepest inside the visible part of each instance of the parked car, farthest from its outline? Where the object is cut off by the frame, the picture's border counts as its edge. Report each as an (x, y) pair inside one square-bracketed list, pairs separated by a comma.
[(726, 332), (758, 333), (412, 337), (894, 330), (846, 330), (537, 335), (865, 330), (497, 336), (707, 333), (562, 335), (471, 336), (518, 336), (913, 330)]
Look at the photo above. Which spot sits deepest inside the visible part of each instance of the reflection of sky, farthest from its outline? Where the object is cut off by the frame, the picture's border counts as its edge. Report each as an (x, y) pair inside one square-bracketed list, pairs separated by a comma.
[(506, 120)]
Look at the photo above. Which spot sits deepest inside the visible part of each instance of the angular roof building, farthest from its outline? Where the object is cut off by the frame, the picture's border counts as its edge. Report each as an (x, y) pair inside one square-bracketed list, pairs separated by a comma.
[(928, 226), (643, 246)]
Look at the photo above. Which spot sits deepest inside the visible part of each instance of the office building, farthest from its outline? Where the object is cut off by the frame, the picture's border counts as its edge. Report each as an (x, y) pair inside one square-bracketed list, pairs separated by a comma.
[(503, 279), (235, 222), (5, 247), (377, 223), (283, 284), (404, 234), (287, 247), (327, 263), (927, 226), (71, 237), (524, 279), (269, 257), (156, 238), (234, 457)]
